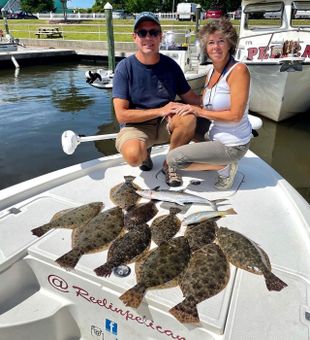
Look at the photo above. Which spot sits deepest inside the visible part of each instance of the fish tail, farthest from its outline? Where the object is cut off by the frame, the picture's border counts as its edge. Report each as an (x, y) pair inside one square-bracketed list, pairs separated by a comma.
[(104, 270), (133, 297), (70, 259), (273, 282), (185, 312), (39, 231), (214, 203)]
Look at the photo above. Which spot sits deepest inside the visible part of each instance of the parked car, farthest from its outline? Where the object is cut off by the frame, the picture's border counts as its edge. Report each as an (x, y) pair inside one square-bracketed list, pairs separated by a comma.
[(213, 14), (21, 15), (119, 14)]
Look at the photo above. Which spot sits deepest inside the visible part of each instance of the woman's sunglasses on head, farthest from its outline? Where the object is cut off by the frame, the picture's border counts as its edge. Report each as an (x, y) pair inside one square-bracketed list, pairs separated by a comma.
[(152, 32)]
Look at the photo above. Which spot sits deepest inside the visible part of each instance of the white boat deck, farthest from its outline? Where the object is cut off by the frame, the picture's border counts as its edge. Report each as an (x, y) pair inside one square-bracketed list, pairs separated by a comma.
[(39, 298)]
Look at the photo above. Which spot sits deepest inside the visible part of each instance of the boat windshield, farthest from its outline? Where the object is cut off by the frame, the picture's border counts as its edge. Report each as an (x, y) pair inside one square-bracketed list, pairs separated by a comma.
[(300, 14), (263, 15)]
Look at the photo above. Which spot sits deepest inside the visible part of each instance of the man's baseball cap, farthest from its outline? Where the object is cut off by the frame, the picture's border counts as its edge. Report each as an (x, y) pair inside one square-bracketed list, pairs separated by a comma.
[(145, 16)]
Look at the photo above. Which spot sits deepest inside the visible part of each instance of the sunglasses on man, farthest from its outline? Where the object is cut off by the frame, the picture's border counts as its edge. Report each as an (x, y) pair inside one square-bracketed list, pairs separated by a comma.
[(152, 32)]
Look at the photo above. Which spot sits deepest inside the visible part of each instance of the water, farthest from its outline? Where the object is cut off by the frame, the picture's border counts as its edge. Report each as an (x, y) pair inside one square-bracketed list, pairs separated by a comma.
[(41, 102)]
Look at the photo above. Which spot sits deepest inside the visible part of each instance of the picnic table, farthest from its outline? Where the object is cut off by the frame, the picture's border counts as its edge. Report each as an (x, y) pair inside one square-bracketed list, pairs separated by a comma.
[(50, 32)]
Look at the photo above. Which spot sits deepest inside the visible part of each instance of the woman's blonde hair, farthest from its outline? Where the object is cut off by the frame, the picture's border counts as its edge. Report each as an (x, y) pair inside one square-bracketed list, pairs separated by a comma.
[(225, 27)]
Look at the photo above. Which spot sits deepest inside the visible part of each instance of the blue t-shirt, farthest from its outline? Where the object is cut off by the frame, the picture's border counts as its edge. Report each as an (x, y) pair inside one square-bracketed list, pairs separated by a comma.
[(148, 86)]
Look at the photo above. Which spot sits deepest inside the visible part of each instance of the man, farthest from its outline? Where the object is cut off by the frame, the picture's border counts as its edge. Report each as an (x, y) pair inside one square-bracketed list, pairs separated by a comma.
[(144, 89)]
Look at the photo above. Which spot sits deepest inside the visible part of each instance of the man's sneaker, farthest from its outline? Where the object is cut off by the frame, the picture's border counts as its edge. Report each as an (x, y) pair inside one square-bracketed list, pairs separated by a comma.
[(147, 164), (224, 183), (172, 178)]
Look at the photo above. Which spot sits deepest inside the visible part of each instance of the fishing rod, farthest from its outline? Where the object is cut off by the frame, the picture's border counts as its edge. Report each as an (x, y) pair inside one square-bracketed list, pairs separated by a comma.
[(70, 140)]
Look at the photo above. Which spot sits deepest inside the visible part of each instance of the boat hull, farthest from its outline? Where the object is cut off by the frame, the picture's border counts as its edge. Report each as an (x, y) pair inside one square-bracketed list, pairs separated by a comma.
[(279, 95), (8, 47), (275, 44)]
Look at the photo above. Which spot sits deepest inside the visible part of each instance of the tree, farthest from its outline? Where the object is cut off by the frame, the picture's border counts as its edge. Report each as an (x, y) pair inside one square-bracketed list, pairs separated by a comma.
[(37, 6)]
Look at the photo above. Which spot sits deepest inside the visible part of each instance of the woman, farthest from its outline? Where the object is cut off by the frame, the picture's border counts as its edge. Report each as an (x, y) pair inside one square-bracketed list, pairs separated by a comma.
[(225, 103)]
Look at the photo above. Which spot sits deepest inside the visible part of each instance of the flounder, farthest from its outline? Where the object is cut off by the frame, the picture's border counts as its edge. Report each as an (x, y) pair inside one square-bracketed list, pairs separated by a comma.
[(161, 266), (126, 248), (70, 218), (200, 234), (207, 274), (164, 227), (124, 194), (94, 236), (246, 254), (139, 214)]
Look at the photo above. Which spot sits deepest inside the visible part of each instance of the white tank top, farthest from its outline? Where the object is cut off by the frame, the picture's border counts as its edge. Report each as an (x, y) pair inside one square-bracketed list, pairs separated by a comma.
[(218, 99)]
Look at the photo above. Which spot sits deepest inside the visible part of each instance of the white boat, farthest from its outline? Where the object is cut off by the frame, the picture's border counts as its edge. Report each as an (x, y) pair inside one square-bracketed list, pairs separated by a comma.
[(275, 44), (7, 46), (175, 45), (102, 79), (39, 299)]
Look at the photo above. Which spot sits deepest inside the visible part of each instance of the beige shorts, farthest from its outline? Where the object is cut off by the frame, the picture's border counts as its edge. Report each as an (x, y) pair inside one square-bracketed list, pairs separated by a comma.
[(151, 132)]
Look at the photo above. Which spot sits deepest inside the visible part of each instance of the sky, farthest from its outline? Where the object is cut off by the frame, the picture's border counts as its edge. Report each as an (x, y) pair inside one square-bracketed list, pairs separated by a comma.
[(81, 3)]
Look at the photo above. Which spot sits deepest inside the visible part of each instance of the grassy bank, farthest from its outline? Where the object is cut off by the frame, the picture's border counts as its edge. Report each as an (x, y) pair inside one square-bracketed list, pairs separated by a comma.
[(94, 30)]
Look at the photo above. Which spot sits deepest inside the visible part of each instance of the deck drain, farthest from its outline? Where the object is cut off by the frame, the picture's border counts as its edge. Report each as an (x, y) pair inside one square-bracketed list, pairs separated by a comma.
[(121, 271)]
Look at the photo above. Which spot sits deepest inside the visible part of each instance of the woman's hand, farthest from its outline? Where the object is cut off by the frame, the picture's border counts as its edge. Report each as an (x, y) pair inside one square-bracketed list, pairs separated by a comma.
[(186, 109)]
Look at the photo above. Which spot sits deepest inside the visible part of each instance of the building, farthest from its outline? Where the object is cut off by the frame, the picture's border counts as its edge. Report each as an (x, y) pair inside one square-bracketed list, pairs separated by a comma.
[(14, 5)]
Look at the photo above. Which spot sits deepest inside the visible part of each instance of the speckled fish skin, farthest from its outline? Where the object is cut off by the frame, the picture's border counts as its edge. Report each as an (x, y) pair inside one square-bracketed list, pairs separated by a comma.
[(94, 236), (124, 194), (246, 254), (126, 249), (198, 235), (201, 216), (164, 227), (139, 214), (207, 274), (162, 265), (71, 218)]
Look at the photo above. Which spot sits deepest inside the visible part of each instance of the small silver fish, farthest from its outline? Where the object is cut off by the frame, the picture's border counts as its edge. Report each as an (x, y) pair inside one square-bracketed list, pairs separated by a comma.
[(179, 197), (201, 216)]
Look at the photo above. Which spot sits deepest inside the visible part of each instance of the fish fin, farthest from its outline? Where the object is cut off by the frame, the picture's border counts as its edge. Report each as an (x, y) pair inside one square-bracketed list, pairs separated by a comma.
[(39, 231), (104, 270), (157, 188), (174, 210), (273, 282), (185, 312), (70, 259), (133, 297), (230, 211)]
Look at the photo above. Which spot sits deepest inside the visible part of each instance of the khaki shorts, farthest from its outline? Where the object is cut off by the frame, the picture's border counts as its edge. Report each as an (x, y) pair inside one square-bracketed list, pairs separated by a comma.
[(151, 132)]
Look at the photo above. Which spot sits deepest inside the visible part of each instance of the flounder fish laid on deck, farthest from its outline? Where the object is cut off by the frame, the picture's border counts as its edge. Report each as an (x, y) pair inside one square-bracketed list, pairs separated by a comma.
[(94, 236), (201, 216), (164, 227), (70, 218), (198, 235), (139, 214), (126, 248), (207, 274), (161, 266), (179, 197), (124, 194), (246, 254)]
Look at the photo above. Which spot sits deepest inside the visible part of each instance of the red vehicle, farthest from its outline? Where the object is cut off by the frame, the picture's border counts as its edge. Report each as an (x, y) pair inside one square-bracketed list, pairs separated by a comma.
[(213, 14)]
